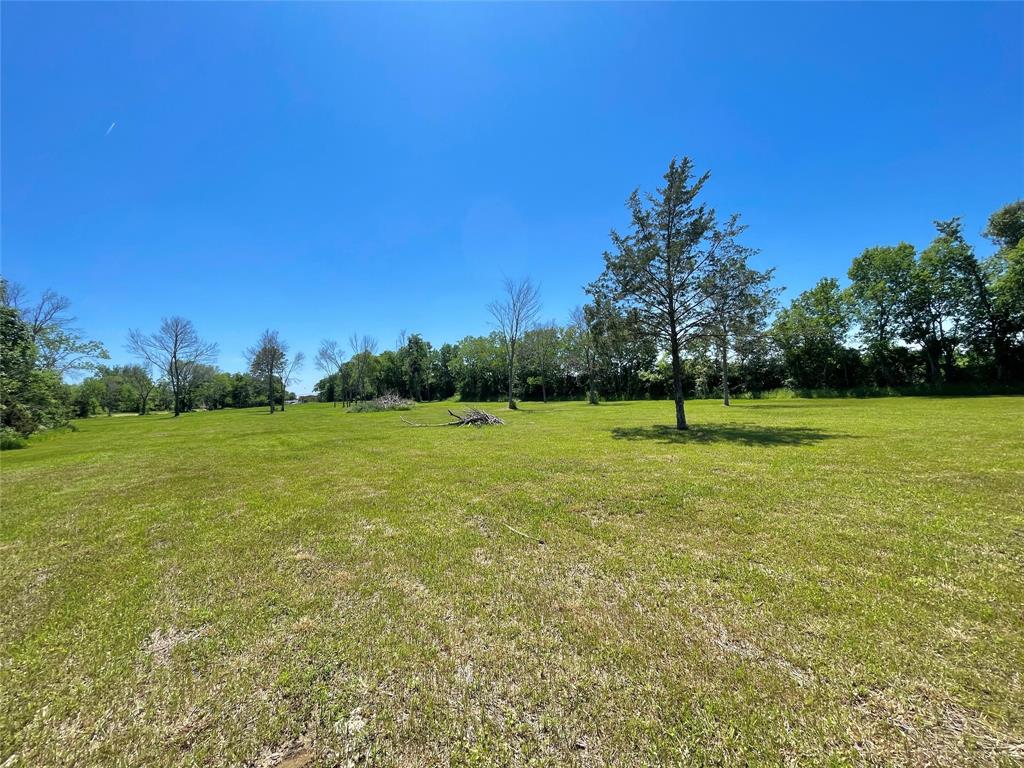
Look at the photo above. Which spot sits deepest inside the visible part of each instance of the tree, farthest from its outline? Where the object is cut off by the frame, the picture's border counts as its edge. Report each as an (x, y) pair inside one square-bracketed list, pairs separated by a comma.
[(662, 266), (330, 359), (582, 347), (31, 398), (936, 309), (512, 315), (1006, 226), (363, 349), (140, 379), (811, 333), (540, 350), (60, 347), (416, 364), (1005, 271), (739, 298), (880, 283), (266, 358), (176, 351), (113, 385), (288, 373)]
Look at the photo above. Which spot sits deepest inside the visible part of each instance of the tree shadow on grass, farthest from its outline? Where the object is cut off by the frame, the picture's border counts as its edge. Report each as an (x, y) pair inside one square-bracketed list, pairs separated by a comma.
[(742, 434)]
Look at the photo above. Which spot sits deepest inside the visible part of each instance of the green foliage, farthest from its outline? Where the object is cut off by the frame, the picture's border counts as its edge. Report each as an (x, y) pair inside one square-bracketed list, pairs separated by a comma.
[(31, 398)]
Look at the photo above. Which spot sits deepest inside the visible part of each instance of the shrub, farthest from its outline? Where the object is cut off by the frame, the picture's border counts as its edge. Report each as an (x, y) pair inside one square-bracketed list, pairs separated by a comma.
[(388, 402), (10, 440)]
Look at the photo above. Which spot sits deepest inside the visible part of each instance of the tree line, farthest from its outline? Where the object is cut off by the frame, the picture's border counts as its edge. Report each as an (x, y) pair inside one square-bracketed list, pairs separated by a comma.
[(677, 312)]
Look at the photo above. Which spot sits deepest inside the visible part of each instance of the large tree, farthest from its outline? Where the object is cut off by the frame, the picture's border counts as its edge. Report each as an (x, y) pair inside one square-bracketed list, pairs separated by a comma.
[(513, 314), (662, 266), (177, 352), (266, 358), (31, 397), (60, 347), (811, 334), (881, 279)]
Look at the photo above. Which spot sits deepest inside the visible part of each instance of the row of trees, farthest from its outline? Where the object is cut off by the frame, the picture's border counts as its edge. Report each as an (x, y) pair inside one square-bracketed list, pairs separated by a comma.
[(677, 312)]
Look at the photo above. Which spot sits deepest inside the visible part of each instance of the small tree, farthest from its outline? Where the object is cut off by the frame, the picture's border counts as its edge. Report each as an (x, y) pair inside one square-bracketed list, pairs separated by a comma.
[(139, 378), (512, 315)]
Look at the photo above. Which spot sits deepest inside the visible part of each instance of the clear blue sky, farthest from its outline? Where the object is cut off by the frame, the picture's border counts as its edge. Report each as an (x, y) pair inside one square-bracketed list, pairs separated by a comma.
[(323, 169)]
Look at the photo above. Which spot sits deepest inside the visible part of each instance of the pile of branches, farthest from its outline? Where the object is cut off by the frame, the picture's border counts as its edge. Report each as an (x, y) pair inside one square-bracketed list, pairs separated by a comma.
[(470, 417), (386, 402)]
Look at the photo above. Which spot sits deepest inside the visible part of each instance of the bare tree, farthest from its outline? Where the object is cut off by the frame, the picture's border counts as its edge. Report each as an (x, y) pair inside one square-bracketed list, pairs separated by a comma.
[(330, 359), (177, 351), (512, 315), (289, 371)]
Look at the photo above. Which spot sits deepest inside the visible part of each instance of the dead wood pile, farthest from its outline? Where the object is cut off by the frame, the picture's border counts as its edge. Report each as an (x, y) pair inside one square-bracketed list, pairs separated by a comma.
[(470, 417)]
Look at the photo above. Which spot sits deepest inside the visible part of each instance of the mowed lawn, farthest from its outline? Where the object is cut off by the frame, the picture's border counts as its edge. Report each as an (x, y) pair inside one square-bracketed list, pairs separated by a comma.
[(800, 582)]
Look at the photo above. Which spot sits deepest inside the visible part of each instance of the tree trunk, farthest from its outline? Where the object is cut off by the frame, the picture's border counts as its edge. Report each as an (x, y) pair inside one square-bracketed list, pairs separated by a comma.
[(677, 384), (725, 375), (511, 376), (591, 391), (270, 392)]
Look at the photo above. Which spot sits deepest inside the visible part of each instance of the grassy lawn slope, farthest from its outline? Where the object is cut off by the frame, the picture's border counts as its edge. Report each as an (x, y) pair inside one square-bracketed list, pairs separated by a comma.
[(812, 582)]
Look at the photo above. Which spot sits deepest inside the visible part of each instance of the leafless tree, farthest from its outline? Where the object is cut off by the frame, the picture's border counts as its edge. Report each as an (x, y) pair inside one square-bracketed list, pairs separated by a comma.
[(176, 351), (512, 315), (288, 373), (330, 359)]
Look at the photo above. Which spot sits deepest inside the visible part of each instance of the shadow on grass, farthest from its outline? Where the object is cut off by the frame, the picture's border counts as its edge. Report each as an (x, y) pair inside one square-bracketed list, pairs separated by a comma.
[(743, 434)]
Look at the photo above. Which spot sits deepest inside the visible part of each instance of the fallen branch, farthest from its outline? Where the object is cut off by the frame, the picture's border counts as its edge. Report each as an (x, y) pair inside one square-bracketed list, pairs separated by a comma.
[(524, 535)]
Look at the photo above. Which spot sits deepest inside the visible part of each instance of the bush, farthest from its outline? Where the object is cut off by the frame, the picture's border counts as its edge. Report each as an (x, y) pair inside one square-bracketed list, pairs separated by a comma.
[(388, 402), (11, 440)]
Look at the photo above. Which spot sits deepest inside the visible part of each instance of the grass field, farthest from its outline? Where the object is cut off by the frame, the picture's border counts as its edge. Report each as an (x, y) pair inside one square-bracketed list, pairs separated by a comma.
[(791, 582)]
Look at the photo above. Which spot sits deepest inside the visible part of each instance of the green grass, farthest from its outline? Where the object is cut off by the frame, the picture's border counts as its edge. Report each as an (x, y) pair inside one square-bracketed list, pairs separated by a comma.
[(801, 582)]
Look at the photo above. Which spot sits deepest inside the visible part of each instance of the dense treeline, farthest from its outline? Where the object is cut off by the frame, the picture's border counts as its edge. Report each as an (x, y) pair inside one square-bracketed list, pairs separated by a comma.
[(678, 312)]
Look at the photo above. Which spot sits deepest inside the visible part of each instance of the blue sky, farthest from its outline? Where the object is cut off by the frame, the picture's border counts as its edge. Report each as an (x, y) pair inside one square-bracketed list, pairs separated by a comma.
[(323, 169)]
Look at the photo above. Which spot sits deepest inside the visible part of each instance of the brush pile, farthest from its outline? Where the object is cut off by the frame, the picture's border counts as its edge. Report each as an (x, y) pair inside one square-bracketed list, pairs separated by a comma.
[(386, 402), (470, 417)]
